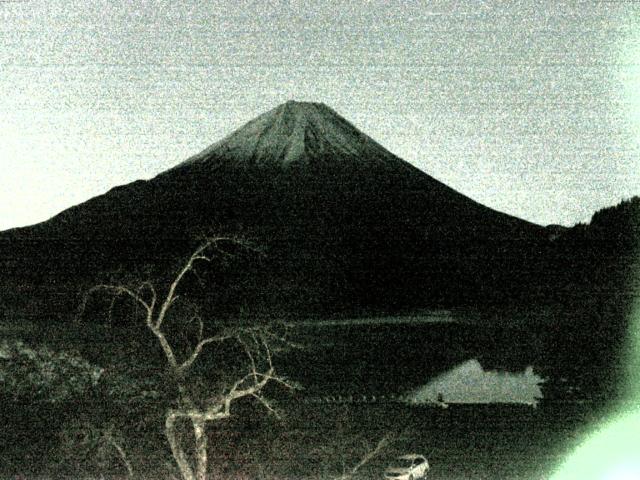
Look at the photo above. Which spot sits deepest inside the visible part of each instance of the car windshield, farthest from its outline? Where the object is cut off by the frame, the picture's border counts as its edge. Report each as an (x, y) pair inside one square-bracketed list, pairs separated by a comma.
[(402, 463)]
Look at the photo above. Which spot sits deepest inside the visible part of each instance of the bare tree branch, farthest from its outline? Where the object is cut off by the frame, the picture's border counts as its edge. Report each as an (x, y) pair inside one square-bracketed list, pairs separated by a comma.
[(184, 366), (247, 351), (109, 438), (117, 290), (367, 457), (171, 295), (110, 311), (166, 348), (266, 405)]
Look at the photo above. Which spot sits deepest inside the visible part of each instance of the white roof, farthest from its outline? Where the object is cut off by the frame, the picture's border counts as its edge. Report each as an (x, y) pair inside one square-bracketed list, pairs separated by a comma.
[(410, 456)]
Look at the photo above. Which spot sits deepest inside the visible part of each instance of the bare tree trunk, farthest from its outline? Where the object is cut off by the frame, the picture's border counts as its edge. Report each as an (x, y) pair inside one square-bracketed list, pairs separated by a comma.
[(176, 449), (122, 454), (260, 373), (201, 448)]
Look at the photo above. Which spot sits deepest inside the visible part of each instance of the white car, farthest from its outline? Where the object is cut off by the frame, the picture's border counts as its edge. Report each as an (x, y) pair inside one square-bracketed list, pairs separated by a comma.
[(407, 467)]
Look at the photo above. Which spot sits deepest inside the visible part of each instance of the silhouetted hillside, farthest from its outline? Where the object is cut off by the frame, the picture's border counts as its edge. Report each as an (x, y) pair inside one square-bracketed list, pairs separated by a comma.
[(598, 260), (345, 225)]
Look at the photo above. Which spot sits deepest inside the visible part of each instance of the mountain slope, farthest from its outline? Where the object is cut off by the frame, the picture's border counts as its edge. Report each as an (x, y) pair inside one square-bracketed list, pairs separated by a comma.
[(295, 133), (346, 224)]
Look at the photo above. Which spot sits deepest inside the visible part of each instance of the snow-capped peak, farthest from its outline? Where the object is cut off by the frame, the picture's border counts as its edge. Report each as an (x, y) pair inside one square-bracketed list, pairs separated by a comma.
[(295, 132)]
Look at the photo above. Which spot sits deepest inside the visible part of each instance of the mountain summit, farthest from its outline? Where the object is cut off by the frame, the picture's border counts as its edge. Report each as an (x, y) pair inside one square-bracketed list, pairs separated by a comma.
[(295, 133)]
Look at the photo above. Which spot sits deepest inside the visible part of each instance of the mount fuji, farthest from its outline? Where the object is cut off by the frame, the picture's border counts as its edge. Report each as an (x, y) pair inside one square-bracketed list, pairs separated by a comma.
[(296, 133), (345, 225)]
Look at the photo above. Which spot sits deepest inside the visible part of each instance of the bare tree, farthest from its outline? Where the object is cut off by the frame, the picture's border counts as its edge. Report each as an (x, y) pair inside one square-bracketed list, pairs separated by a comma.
[(197, 409), (371, 452)]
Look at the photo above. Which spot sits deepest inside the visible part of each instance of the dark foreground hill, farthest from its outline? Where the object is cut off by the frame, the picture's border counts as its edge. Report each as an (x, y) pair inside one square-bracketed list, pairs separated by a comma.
[(345, 226)]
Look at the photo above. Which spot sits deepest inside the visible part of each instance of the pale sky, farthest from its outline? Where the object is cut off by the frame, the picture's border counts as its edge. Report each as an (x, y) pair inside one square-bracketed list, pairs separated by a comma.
[(530, 107)]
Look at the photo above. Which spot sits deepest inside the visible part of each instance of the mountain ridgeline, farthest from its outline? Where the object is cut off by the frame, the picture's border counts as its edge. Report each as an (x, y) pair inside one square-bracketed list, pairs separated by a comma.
[(345, 227)]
